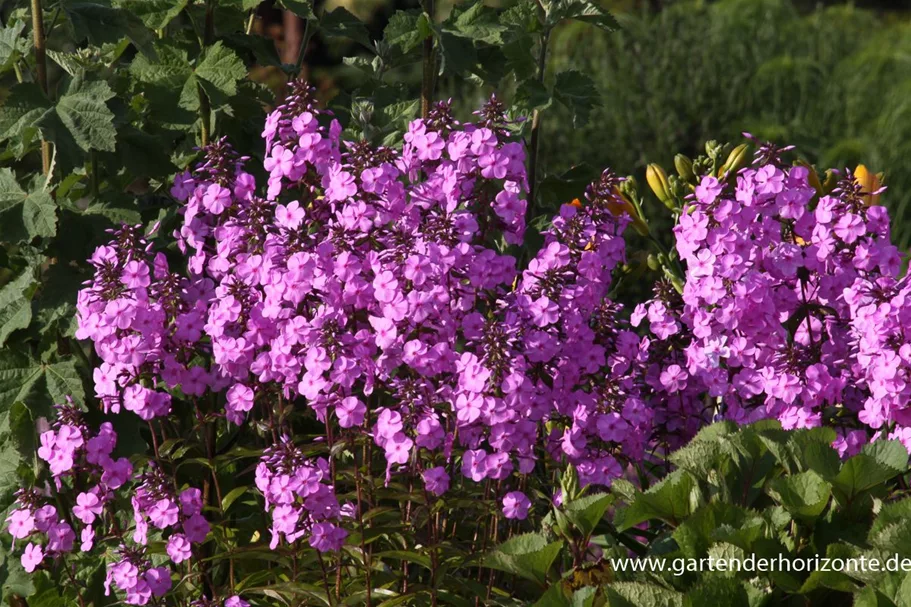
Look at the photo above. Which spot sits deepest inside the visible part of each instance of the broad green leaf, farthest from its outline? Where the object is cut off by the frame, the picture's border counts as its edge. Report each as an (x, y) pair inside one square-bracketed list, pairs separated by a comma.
[(586, 512), (82, 109), (155, 14), (804, 495), (232, 497), (888, 452), (340, 22), (579, 10), (717, 590), (100, 24), (12, 45), (20, 114), (533, 95), (478, 22), (21, 379), (16, 303), (577, 92), (63, 380), (171, 69), (407, 29), (221, 68), (638, 594), (860, 473), (301, 8), (529, 555), (670, 500), (24, 215)]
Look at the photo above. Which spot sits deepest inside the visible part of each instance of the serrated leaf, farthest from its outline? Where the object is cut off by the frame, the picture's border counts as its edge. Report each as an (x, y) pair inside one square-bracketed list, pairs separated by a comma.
[(12, 45), (579, 10), (578, 93), (529, 555), (155, 14), (478, 22), (805, 495), (24, 215), (407, 29), (638, 594), (20, 114), (340, 22), (83, 111), (63, 380), (586, 512), (301, 8), (221, 68), (16, 304), (670, 500), (100, 24)]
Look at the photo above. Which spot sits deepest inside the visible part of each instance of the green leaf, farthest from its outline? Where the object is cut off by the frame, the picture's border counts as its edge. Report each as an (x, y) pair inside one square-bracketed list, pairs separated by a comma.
[(407, 29), (529, 555), (24, 215), (340, 22), (579, 10), (717, 590), (64, 380), (12, 45), (586, 512), (21, 379), (16, 304), (671, 500), (232, 497), (155, 14), (221, 68), (578, 93), (532, 95), (889, 453), (637, 594), (301, 8), (101, 24), (861, 473), (83, 111), (20, 114), (478, 22), (804, 495)]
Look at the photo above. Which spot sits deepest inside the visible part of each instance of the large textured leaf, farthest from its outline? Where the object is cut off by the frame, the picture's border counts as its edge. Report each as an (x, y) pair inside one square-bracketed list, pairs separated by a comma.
[(221, 68), (407, 29), (671, 500), (38, 385), (24, 215), (155, 14), (637, 594), (86, 116), (12, 45), (19, 116), (529, 555), (100, 24), (16, 304), (580, 10), (577, 92), (342, 23), (804, 495), (586, 512)]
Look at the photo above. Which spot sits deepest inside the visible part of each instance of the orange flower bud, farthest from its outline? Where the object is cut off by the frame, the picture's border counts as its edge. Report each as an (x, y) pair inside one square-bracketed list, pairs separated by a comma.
[(870, 182)]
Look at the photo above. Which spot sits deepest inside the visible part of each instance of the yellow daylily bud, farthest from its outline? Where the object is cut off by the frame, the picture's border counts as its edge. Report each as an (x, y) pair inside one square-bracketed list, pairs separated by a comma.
[(684, 168), (737, 159), (657, 180), (622, 205), (870, 182)]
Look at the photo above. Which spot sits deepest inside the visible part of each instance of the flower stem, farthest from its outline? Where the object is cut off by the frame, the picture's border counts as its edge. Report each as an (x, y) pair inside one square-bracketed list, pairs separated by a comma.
[(536, 130), (41, 67), (429, 64)]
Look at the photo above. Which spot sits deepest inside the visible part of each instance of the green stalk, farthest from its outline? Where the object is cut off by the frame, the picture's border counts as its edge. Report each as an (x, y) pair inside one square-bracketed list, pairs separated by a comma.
[(536, 130), (429, 64), (41, 66)]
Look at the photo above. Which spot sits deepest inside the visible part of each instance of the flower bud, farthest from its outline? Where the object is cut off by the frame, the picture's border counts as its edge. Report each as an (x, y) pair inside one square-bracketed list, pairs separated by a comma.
[(870, 182), (621, 204), (684, 168), (737, 159), (657, 180)]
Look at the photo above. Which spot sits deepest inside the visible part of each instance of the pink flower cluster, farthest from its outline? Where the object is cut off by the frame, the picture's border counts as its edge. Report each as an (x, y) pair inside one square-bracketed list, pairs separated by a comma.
[(792, 307), (302, 503)]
